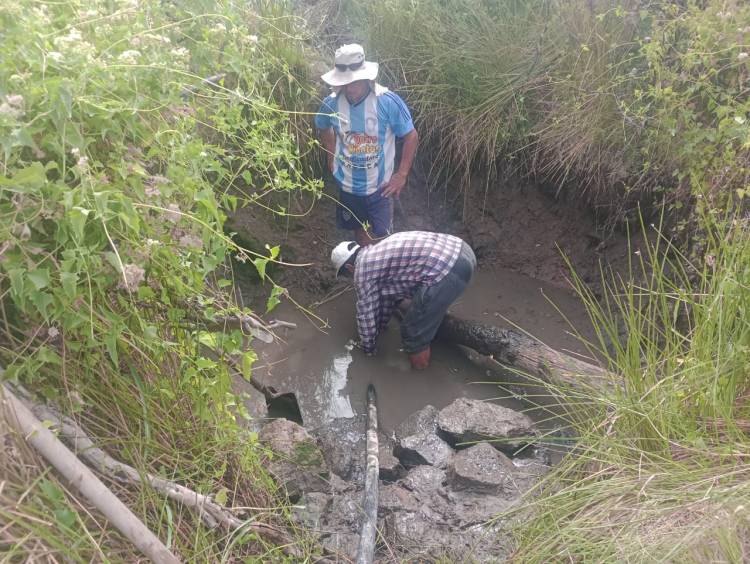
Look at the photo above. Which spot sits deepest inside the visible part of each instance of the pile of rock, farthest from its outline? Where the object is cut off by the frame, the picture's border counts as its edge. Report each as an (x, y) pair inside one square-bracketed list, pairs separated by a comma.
[(445, 475)]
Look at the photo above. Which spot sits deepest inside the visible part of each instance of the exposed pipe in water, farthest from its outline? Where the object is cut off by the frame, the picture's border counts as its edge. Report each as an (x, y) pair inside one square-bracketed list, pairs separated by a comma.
[(368, 530)]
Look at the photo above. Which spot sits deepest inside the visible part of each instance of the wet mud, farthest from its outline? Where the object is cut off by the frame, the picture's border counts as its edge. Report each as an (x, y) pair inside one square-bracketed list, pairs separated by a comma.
[(329, 377)]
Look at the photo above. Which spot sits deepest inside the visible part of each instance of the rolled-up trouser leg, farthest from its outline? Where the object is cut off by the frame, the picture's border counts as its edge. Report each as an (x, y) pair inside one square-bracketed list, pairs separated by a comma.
[(429, 303)]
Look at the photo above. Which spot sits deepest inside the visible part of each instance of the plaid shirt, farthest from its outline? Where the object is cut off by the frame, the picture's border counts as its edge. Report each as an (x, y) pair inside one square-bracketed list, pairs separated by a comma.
[(392, 270)]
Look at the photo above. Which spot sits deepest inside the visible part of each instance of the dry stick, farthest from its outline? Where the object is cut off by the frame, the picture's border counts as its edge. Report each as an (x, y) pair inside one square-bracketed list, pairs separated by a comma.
[(211, 512), (85, 481)]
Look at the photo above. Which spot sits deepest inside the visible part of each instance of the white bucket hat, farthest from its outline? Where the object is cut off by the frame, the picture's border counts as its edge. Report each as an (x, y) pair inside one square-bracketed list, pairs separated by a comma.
[(342, 253), (350, 65)]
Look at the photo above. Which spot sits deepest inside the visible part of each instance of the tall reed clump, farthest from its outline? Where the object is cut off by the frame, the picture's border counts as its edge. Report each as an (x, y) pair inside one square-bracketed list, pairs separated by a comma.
[(660, 470), (118, 165), (617, 101)]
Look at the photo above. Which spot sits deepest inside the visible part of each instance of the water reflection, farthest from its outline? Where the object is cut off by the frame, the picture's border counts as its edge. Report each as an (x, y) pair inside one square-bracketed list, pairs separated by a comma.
[(328, 391)]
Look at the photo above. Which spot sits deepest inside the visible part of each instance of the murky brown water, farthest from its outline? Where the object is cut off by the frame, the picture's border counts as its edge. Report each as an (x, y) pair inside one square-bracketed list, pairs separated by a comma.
[(330, 379)]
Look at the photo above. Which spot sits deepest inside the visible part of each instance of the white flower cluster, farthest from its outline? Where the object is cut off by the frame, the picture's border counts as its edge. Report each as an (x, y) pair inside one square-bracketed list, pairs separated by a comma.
[(129, 57), (71, 43), (180, 53), (12, 106), (742, 56)]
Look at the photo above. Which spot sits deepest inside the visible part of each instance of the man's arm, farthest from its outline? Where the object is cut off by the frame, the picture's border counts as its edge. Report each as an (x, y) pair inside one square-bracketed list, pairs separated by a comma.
[(398, 180), (368, 310), (328, 140)]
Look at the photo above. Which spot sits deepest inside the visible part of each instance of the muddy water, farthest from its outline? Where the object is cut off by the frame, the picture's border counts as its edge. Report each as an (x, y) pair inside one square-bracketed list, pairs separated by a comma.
[(330, 379)]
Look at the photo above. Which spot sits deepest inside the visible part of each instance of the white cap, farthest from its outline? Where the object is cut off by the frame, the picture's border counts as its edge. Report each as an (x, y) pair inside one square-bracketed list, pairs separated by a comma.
[(348, 56), (342, 253)]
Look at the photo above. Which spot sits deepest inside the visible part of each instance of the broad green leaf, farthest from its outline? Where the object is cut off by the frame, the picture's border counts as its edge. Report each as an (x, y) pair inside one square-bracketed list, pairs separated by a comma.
[(221, 496), (248, 359), (65, 517), (48, 355), (51, 491), (260, 266), (69, 281), (273, 299), (42, 301), (27, 179), (207, 339), (39, 278), (77, 217)]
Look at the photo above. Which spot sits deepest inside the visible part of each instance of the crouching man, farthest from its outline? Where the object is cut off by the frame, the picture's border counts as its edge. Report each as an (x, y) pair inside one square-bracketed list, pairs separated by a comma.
[(430, 270)]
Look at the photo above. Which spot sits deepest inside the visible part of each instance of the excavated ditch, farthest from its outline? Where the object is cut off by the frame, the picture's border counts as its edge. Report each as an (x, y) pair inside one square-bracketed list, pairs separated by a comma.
[(456, 448)]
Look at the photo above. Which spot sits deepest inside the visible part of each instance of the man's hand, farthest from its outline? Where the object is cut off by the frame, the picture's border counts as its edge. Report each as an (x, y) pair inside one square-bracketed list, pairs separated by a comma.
[(394, 186), (420, 360), (357, 344)]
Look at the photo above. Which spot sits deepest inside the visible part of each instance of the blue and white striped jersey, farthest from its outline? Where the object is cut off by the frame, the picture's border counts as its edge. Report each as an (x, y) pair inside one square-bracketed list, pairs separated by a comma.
[(365, 137)]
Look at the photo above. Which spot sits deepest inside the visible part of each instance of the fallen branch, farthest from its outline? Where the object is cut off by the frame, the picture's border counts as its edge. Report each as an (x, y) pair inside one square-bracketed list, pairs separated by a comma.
[(84, 480), (212, 514), (516, 349)]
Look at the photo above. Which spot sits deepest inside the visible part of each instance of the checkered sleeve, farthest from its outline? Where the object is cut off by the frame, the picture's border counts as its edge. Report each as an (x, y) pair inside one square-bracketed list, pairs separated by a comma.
[(368, 316)]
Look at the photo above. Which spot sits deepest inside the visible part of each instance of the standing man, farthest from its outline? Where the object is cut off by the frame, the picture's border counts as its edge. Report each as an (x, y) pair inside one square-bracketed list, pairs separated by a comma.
[(429, 269), (358, 124)]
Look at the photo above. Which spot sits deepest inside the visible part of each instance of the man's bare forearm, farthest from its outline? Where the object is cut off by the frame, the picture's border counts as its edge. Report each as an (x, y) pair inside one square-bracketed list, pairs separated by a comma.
[(409, 150), (328, 140)]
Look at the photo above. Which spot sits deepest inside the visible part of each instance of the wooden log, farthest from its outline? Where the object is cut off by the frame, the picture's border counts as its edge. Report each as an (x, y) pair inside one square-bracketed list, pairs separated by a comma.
[(84, 480), (517, 350)]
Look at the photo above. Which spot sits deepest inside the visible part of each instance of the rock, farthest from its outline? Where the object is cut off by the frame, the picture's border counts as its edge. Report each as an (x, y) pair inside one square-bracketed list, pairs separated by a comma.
[(393, 497), (470, 508), (528, 471), (343, 442), (309, 510), (344, 544), (425, 480), (417, 441), (468, 420), (345, 510), (297, 463), (422, 540), (481, 468), (253, 401), (390, 466)]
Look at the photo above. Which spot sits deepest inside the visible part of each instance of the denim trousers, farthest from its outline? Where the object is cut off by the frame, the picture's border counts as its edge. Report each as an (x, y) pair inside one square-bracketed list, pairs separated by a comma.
[(430, 303)]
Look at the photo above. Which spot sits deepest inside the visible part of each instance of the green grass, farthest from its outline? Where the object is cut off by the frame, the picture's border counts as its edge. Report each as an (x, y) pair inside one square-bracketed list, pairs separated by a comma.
[(660, 470), (616, 102), (118, 167)]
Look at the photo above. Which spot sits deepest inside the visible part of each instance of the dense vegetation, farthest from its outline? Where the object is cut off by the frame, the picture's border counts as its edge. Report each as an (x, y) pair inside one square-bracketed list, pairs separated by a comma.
[(118, 165), (620, 103)]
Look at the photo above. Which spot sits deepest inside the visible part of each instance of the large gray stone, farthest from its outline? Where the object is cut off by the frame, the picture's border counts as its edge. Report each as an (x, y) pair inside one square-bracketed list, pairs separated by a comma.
[(343, 442), (391, 468), (469, 420), (393, 497), (481, 468), (309, 510), (424, 480), (417, 441), (296, 461)]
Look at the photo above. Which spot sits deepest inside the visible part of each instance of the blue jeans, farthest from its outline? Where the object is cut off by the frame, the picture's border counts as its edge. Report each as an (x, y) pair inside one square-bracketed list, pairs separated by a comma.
[(429, 303), (352, 211)]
